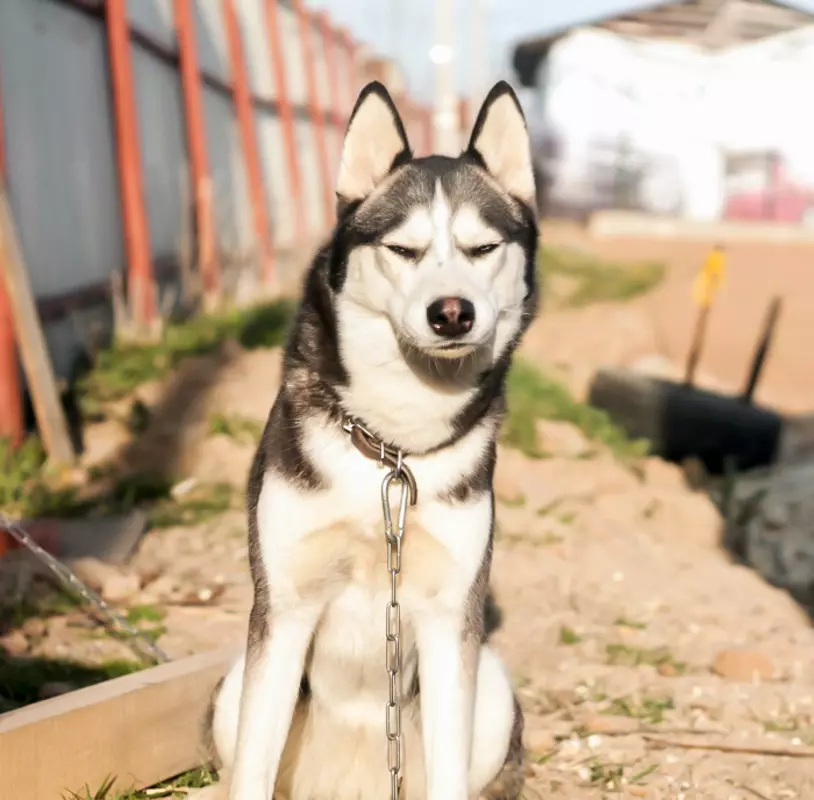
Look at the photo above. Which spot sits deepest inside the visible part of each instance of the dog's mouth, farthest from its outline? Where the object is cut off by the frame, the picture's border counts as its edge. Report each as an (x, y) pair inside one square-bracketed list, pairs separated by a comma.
[(451, 350)]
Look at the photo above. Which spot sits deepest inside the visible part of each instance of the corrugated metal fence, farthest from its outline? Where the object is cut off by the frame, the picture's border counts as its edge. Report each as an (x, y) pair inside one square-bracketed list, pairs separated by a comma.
[(140, 137)]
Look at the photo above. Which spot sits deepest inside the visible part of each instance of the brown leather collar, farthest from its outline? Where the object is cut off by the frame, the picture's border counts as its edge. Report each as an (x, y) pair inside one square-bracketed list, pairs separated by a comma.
[(372, 447)]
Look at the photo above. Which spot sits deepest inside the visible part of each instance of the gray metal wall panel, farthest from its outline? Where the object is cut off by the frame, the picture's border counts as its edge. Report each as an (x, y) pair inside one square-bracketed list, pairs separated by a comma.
[(60, 150), (292, 52), (314, 203), (153, 17), (59, 143), (276, 177), (159, 107), (213, 50), (233, 218), (254, 32)]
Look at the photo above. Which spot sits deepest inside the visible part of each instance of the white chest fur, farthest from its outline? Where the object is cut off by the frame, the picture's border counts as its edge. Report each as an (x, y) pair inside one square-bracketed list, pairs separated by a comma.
[(327, 548)]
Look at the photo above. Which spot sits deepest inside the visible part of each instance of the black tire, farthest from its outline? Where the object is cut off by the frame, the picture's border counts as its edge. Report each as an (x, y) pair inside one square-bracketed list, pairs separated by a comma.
[(682, 422)]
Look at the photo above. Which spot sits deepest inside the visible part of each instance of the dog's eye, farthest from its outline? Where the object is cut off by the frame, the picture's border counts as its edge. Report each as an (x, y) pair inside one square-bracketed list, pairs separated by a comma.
[(408, 253), (482, 250)]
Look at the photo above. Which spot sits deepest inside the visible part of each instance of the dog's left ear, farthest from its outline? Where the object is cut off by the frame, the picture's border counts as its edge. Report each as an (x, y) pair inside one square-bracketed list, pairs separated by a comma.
[(375, 144), (500, 140)]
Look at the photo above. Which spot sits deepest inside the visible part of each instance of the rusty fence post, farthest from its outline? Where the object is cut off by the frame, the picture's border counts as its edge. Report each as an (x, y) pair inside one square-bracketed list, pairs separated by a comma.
[(140, 280), (244, 109), (11, 399), (275, 43), (208, 268), (314, 108)]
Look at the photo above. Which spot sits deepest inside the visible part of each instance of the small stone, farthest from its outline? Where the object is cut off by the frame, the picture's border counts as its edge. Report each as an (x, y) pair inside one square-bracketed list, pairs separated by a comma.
[(35, 628), (93, 572), (120, 587), (14, 643), (55, 689), (743, 666), (561, 439), (540, 742), (604, 723), (667, 670)]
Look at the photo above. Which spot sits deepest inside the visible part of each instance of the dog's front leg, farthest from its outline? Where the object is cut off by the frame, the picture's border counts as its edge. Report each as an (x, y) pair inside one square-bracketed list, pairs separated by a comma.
[(446, 666), (275, 661)]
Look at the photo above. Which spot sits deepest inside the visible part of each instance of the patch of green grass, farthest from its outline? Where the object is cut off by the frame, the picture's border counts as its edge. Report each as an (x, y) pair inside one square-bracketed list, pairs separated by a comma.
[(124, 366), (568, 636), (624, 622), (533, 395), (236, 426), (200, 504), (589, 279), (176, 788), (627, 656), (648, 709), (21, 679), (613, 776)]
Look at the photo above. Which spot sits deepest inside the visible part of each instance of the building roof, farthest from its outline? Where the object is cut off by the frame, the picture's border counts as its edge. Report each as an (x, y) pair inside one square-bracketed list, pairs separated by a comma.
[(715, 24)]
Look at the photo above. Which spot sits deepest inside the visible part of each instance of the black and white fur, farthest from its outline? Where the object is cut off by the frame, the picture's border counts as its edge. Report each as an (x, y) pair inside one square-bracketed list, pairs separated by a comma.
[(302, 716)]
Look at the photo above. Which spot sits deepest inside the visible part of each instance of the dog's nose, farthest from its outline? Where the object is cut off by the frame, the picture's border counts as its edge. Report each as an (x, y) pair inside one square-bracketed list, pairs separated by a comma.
[(451, 316)]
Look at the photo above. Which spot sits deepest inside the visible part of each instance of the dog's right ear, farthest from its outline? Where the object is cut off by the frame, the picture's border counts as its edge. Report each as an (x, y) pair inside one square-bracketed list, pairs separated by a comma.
[(375, 144)]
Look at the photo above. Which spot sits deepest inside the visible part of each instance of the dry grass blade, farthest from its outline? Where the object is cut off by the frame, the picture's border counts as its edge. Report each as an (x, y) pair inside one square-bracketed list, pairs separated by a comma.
[(724, 747)]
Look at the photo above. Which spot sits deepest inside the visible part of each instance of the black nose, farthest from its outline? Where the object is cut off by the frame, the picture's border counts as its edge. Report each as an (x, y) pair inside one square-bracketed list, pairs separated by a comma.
[(451, 316)]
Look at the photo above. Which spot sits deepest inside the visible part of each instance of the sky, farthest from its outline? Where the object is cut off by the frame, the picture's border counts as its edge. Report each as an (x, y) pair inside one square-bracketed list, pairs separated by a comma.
[(403, 29)]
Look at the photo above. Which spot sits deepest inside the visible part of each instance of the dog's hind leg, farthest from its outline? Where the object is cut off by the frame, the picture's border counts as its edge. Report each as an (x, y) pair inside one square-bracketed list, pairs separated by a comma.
[(497, 766), (508, 785)]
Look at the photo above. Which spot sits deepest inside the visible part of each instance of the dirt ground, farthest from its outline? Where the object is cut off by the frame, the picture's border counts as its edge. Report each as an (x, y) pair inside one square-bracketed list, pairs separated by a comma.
[(663, 321), (648, 664)]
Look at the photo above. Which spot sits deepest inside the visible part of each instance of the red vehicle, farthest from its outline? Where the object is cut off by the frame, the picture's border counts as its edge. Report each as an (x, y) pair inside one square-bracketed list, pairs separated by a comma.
[(757, 188)]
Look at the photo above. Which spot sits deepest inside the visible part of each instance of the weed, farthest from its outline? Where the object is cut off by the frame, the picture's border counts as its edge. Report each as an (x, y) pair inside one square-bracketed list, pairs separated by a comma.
[(21, 679), (124, 366), (628, 656), (202, 503), (532, 395), (648, 709), (235, 426), (176, 788), (624, 622), (569, 636), (593, 280), (518, 501)]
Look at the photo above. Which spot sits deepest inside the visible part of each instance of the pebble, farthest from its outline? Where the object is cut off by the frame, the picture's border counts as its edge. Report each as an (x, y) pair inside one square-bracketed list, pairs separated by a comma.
[(743, 665)]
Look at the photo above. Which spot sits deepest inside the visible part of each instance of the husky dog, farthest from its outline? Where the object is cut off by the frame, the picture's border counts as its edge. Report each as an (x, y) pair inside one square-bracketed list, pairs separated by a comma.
[(405, 333)]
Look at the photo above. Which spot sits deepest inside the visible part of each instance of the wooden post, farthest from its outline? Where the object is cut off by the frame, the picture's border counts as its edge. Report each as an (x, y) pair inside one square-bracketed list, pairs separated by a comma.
[(33, 349), (196, 146), (140, 280), (762, 350), (697, 345), (275, 41), (11, 406), (137, 731), (314, 108), (245, 119)]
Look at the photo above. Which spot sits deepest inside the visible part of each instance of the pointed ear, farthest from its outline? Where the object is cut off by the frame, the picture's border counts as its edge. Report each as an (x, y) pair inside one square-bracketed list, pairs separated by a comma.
[(501, 141), (375, 143)]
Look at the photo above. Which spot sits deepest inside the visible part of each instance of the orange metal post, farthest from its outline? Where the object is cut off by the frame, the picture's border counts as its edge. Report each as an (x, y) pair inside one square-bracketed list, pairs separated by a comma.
[(196, 144), (275, 40), (314, 109), (140, 281), (331, 109), (11, 406), (245, 119)]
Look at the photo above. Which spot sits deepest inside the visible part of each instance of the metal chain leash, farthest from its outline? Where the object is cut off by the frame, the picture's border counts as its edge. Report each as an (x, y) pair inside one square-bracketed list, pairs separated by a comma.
[(394, 537), (73, 584)]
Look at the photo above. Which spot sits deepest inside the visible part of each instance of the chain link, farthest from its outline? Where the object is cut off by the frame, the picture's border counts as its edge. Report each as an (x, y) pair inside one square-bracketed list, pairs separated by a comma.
[(394, 537), (73, 584)]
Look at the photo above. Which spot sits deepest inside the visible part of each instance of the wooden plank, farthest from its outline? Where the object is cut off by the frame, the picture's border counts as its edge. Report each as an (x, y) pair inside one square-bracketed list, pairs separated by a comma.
[(31, 341), (140, 729)]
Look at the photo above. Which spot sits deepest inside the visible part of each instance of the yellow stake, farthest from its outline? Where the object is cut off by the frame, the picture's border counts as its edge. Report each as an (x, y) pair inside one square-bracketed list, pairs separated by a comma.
[(710, 277)]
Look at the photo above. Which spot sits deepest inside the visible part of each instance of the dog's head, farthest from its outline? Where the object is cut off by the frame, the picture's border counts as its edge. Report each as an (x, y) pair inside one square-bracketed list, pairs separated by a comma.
[(444, 248)]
